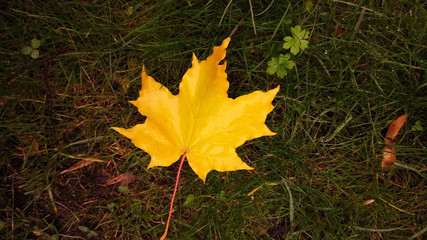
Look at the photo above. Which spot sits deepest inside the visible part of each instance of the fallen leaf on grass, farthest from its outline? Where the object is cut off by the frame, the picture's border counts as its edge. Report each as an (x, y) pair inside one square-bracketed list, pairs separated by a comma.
[(201, 122), (389, 151), (123, 179), (395, 126)]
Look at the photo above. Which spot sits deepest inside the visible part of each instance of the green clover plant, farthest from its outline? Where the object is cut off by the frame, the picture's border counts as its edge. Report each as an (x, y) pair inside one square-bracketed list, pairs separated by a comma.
[(298, 42), (417, 126), (89, 233), (279, 65), (33, 49)]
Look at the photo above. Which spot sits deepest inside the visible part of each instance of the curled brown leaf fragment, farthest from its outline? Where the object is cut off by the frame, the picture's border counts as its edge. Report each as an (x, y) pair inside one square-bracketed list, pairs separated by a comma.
[(389, 154), (124, 179), (389, 151), (80, 164), (339, 30)]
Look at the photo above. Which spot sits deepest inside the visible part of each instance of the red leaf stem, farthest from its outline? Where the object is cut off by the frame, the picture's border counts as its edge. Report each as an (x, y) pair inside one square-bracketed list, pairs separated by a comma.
[(173, 196)]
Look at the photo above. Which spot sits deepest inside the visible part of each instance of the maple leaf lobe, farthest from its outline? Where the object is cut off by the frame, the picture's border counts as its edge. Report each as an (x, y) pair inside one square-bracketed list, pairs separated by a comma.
[(201, 121)]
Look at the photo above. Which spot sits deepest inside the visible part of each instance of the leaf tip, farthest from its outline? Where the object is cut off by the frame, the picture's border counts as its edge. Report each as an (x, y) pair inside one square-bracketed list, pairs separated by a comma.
[(118, 129), (225, 42), (150, 165), (219, 52), (143, 73), (275, 90), (195, 61)]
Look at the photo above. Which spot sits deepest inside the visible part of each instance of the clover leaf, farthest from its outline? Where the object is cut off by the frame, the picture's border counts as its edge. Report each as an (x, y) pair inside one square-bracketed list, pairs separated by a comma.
[(27, 50), (35, 43), (417, 126), (298, 40), (33, 49), (279, 65)]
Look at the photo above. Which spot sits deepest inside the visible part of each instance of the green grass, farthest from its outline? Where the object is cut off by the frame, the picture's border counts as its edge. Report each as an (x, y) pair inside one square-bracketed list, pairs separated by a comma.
[(311, 179)]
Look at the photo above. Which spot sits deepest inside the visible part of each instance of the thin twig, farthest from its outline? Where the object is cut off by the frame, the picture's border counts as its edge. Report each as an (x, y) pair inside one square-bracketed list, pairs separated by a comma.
[(280, 23), (31, 65), (265, 10), (252, 16), (236, 27), (418, 234), (13, 206), (291, 202), (223, 13)]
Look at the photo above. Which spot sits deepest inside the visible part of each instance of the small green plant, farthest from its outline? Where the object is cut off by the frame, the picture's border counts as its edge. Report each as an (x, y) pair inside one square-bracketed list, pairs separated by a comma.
[(189, 201), (417, 126), (279, 65), (89, 233), (129, 11), (298, 42), (33, 49)]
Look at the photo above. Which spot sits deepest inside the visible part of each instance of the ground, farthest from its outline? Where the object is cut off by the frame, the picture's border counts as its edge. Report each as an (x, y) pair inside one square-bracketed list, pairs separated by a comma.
[(69, 69)]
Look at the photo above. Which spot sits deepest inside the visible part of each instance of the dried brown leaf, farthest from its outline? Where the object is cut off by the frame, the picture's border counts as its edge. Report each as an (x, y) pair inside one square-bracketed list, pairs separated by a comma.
[(124, 179), (389, 151), (395, 126), (80, 164), (339, 30)]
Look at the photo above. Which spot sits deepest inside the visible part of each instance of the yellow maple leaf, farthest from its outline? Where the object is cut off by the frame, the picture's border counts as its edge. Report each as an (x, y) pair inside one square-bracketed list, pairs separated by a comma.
[(201, 122)]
